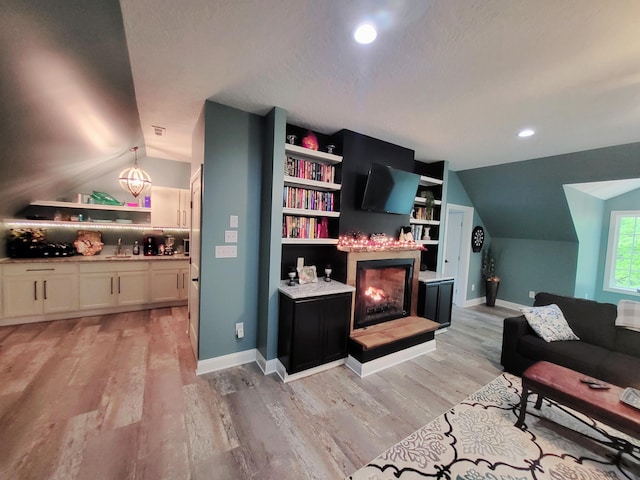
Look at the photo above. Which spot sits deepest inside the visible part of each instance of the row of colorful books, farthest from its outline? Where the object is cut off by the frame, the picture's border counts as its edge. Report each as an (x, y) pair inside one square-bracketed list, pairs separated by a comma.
[(296, 167), (304, 227), (294, 197)]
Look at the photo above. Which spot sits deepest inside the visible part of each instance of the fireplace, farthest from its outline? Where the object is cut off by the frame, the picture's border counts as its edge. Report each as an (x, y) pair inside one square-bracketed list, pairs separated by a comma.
[(383, 291)]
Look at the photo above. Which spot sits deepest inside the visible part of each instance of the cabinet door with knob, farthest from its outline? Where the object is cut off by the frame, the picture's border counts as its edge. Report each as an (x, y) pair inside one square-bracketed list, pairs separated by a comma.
[(106, 284), (39, 288), (169, 280), (170, 207)]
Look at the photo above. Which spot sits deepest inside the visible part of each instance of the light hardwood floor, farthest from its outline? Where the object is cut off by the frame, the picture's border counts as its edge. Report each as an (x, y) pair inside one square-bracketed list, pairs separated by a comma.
[(116, 397)]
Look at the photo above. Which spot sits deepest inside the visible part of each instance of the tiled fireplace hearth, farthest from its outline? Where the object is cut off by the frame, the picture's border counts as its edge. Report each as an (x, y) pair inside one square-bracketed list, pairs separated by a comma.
[(385, 329)]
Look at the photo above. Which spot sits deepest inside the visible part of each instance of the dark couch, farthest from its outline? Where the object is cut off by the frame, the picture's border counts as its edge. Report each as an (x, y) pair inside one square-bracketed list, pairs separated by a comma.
[(604, 351)]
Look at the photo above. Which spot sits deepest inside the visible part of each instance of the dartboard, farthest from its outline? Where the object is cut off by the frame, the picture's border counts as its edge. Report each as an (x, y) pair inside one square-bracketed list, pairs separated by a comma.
[(477, 238)]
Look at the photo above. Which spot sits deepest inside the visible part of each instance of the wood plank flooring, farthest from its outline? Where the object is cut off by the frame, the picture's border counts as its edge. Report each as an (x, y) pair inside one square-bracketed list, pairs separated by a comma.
[(116, 397)]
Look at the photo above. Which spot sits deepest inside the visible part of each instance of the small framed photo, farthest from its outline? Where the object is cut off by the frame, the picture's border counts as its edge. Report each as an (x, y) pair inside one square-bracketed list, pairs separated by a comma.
[(307, 275)]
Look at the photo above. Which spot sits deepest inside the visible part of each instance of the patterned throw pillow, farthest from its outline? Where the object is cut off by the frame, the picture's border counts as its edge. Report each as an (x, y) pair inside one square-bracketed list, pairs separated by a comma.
[(549, 323)]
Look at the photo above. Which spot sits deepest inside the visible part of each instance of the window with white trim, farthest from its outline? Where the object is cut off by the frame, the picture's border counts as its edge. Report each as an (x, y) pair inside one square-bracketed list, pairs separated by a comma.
[(622, 268)]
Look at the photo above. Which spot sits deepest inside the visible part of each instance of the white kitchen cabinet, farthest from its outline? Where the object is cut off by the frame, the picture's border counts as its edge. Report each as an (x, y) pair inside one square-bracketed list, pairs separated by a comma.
[(169, 281), (170, 207), (43, 288), (185, 208), (96, 290), (105, 285)]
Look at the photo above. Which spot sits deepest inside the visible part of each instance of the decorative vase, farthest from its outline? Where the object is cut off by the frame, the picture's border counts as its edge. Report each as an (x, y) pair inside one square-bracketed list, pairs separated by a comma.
[(491, 289), (310, 141)]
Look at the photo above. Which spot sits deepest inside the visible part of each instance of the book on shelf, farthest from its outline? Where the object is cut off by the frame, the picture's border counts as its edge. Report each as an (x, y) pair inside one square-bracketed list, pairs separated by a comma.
[(304, 227), (295, 197), (309, 170)]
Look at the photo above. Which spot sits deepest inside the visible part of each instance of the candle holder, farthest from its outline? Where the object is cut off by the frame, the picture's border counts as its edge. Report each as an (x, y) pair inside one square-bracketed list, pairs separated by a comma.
[(327, 273), (292, 276)]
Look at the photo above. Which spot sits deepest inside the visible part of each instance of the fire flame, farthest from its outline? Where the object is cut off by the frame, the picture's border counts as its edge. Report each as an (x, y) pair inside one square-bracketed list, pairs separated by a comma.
[(374, 293)]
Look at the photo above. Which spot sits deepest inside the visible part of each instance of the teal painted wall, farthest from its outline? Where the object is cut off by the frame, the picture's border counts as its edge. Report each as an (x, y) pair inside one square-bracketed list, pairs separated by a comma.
[(231, 177), (270, 232), (628, 201), (163, 173), (526, 201), (525, 265), (587, 213)]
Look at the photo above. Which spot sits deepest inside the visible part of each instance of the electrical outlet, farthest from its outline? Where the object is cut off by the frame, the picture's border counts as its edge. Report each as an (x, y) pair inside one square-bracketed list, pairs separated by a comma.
[(240, 330), (532, 294), (473, 287)]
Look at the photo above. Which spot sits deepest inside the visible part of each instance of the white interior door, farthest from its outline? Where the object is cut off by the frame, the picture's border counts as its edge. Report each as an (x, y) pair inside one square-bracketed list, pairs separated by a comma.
[(457, 249), (453, 241), (194, 261)]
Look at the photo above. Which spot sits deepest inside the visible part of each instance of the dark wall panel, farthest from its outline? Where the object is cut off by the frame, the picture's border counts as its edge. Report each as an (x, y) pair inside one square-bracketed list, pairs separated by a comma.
[(359, 152)]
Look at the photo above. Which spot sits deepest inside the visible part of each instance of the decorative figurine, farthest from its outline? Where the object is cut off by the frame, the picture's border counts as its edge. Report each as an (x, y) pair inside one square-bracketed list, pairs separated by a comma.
[(291, 139), (330, 148)]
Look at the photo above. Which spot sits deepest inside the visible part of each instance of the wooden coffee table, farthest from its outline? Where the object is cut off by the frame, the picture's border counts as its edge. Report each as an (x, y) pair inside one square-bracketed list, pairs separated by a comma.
[(564, 386)]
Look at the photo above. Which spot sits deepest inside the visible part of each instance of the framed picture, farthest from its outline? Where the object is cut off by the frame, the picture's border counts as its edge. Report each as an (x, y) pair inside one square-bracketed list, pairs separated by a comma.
[(307, 274)]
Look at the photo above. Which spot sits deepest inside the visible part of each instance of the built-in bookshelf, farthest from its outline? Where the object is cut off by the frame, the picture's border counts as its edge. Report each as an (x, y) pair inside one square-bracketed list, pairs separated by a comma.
[(310, 197), (426, 214)]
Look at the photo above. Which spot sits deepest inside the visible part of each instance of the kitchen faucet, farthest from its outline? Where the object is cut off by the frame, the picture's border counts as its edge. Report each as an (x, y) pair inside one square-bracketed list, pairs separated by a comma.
[(119, 247)]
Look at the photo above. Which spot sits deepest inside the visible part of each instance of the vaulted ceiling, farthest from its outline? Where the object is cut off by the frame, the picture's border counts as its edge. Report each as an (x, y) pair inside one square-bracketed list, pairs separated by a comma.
[(83, 81)]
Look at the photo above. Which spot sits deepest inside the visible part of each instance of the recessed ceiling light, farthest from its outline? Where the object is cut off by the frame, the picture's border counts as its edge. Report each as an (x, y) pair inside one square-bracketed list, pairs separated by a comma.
[(527, 132), (365, 33)]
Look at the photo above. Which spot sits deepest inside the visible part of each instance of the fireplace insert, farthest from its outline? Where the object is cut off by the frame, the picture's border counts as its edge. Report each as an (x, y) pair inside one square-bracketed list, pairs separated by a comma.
[(383, 291)]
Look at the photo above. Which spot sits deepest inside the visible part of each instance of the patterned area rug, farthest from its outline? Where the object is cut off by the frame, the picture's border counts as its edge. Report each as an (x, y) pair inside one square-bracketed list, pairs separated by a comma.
[(477, 440)]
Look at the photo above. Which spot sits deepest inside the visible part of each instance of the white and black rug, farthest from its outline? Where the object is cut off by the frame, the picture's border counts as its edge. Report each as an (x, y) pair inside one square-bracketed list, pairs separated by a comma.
[(477, 440)]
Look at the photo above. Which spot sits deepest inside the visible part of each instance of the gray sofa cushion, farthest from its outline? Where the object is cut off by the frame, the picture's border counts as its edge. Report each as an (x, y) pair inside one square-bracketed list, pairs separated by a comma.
[(593, 322), (628, 341), (620, 369), (579, 356)]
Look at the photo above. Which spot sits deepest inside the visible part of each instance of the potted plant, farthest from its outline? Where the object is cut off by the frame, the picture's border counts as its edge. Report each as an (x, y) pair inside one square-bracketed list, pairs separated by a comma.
[(429, 202), (491, 280)]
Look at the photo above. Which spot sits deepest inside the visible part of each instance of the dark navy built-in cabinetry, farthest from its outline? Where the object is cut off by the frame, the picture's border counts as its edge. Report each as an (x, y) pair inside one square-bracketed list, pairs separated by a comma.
[(434, 300), (314, 324)]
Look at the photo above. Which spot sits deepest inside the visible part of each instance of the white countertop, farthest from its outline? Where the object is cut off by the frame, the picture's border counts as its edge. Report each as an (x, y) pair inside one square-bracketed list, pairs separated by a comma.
[(316, 289), (95, 258), (429, 276)]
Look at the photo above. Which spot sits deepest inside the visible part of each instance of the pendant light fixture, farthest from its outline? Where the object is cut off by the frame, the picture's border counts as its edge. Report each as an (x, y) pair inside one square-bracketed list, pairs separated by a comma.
[(134, 179)]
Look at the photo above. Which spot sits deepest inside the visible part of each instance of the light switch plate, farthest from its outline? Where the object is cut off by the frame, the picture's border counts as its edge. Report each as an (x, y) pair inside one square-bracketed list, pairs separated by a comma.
[(233, 221), (231, 236), (226, 251)]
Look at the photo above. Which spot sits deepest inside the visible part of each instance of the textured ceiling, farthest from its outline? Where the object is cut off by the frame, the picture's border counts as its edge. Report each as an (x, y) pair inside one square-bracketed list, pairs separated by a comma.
[(451, 79)]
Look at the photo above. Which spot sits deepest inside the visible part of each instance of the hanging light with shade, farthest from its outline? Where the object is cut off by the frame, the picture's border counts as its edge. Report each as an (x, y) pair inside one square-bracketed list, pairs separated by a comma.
[(134, 179)]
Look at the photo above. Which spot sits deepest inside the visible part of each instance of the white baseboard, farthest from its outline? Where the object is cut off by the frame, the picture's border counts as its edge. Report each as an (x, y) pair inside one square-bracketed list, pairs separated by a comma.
[(473, 302), (285, 377), (226, 361), (373, 366), (511, 305), (267, 366), (501, 303)]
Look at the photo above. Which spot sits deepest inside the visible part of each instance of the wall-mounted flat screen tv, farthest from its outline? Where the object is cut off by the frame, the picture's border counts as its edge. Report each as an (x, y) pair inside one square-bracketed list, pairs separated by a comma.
[(390, 190)]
